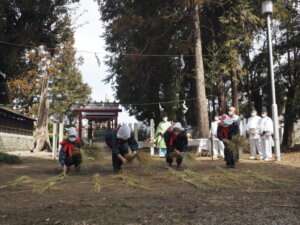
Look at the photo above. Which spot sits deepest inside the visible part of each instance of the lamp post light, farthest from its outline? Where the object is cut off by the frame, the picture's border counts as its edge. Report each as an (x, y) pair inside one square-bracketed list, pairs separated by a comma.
[(267, 9)]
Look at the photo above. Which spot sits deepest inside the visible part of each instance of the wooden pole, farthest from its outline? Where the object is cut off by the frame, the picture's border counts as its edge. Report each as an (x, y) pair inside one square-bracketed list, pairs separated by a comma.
[(61, 132), (80, 125), (116, 120)]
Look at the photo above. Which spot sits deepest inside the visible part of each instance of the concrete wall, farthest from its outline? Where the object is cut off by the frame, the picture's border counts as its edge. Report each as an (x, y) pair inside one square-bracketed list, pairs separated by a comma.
[(14, 142)]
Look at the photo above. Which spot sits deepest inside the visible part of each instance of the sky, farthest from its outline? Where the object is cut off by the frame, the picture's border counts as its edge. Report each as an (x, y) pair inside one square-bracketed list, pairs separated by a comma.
[(88, 38)]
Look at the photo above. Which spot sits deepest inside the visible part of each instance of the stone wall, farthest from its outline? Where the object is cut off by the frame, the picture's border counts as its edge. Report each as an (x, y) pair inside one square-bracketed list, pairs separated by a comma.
[(14, 142)]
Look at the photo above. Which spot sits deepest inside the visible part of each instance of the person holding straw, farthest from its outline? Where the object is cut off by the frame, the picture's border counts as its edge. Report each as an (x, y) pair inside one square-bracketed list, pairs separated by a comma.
[(70, 151), (118, 140), (177, 142), (227, 128)]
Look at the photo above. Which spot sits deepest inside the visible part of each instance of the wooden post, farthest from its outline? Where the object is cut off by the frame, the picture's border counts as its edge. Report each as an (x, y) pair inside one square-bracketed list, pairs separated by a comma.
[(54, 141), (136, 132), (80, 125), (116, 120), (152, 131), (61, 132), (90, 132)]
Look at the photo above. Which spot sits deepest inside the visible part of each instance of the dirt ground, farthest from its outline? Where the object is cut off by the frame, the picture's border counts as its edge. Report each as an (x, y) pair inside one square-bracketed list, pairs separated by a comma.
[(256, 192)]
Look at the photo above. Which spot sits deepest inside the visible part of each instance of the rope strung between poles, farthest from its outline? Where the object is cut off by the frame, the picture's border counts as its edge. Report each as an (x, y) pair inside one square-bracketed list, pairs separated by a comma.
[(111, 54), (165, 102)]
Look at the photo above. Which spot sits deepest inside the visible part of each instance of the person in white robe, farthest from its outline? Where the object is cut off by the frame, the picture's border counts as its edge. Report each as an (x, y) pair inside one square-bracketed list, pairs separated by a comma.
[(218, 146), (266, 130), (252, 129)]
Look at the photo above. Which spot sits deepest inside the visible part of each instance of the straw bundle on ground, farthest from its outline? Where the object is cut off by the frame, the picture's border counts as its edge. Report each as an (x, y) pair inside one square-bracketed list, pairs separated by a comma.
[(131, 180), (97, 182), (17, 181), (40, 186), (48, 184)]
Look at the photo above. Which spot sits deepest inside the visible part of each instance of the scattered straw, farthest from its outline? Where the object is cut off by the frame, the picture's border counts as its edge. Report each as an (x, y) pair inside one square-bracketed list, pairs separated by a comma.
[(186, 176), (131, 181), (16, 182), (188, 160), (48, 184), (41, 185), (97, 182)]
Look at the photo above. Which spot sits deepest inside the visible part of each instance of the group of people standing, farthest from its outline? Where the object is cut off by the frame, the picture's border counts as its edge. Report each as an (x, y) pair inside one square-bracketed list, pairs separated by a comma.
[(258, 129), (171, 140)]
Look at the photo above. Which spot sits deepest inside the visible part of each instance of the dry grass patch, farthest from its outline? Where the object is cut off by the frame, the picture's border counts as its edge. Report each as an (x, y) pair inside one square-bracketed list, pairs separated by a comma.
[(131, 180)]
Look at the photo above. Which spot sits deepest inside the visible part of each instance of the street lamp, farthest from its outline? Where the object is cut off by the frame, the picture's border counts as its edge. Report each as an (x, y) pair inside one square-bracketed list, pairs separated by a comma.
[(267, 9)]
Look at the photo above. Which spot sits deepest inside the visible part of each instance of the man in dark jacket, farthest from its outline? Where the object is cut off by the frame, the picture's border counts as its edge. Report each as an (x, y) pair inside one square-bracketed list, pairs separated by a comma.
[(227, 128), (118, 140), (176, 141)]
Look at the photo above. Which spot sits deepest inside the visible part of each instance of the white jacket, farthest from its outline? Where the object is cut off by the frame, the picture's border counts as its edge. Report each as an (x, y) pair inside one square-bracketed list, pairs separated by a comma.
[(214, 129), (253, 125), (266, 125)]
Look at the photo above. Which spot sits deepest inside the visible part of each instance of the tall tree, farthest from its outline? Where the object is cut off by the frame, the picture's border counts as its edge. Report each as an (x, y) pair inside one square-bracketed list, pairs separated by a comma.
[(202, 114), (26, 23), (66, 89), (42, 122), (287, 49)]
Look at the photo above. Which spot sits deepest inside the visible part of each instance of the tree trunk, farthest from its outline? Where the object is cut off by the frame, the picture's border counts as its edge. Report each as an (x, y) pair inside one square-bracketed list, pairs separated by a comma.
[(221, 96), (202, 113), (234, 91), (288, 135), (41, 128)]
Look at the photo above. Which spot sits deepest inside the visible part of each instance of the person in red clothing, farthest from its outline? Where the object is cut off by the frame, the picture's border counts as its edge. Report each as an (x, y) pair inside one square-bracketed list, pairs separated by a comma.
[(177, 142), (227, 128), (70, 151)]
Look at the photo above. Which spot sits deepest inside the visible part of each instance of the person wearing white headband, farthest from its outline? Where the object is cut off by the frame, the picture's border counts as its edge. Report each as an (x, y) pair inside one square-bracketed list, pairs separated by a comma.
[(69, 153), (118, 140), (177, 142)]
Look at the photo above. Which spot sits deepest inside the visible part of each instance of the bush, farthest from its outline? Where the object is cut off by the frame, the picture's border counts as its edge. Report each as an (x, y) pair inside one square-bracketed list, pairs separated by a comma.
[(9, 159)]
